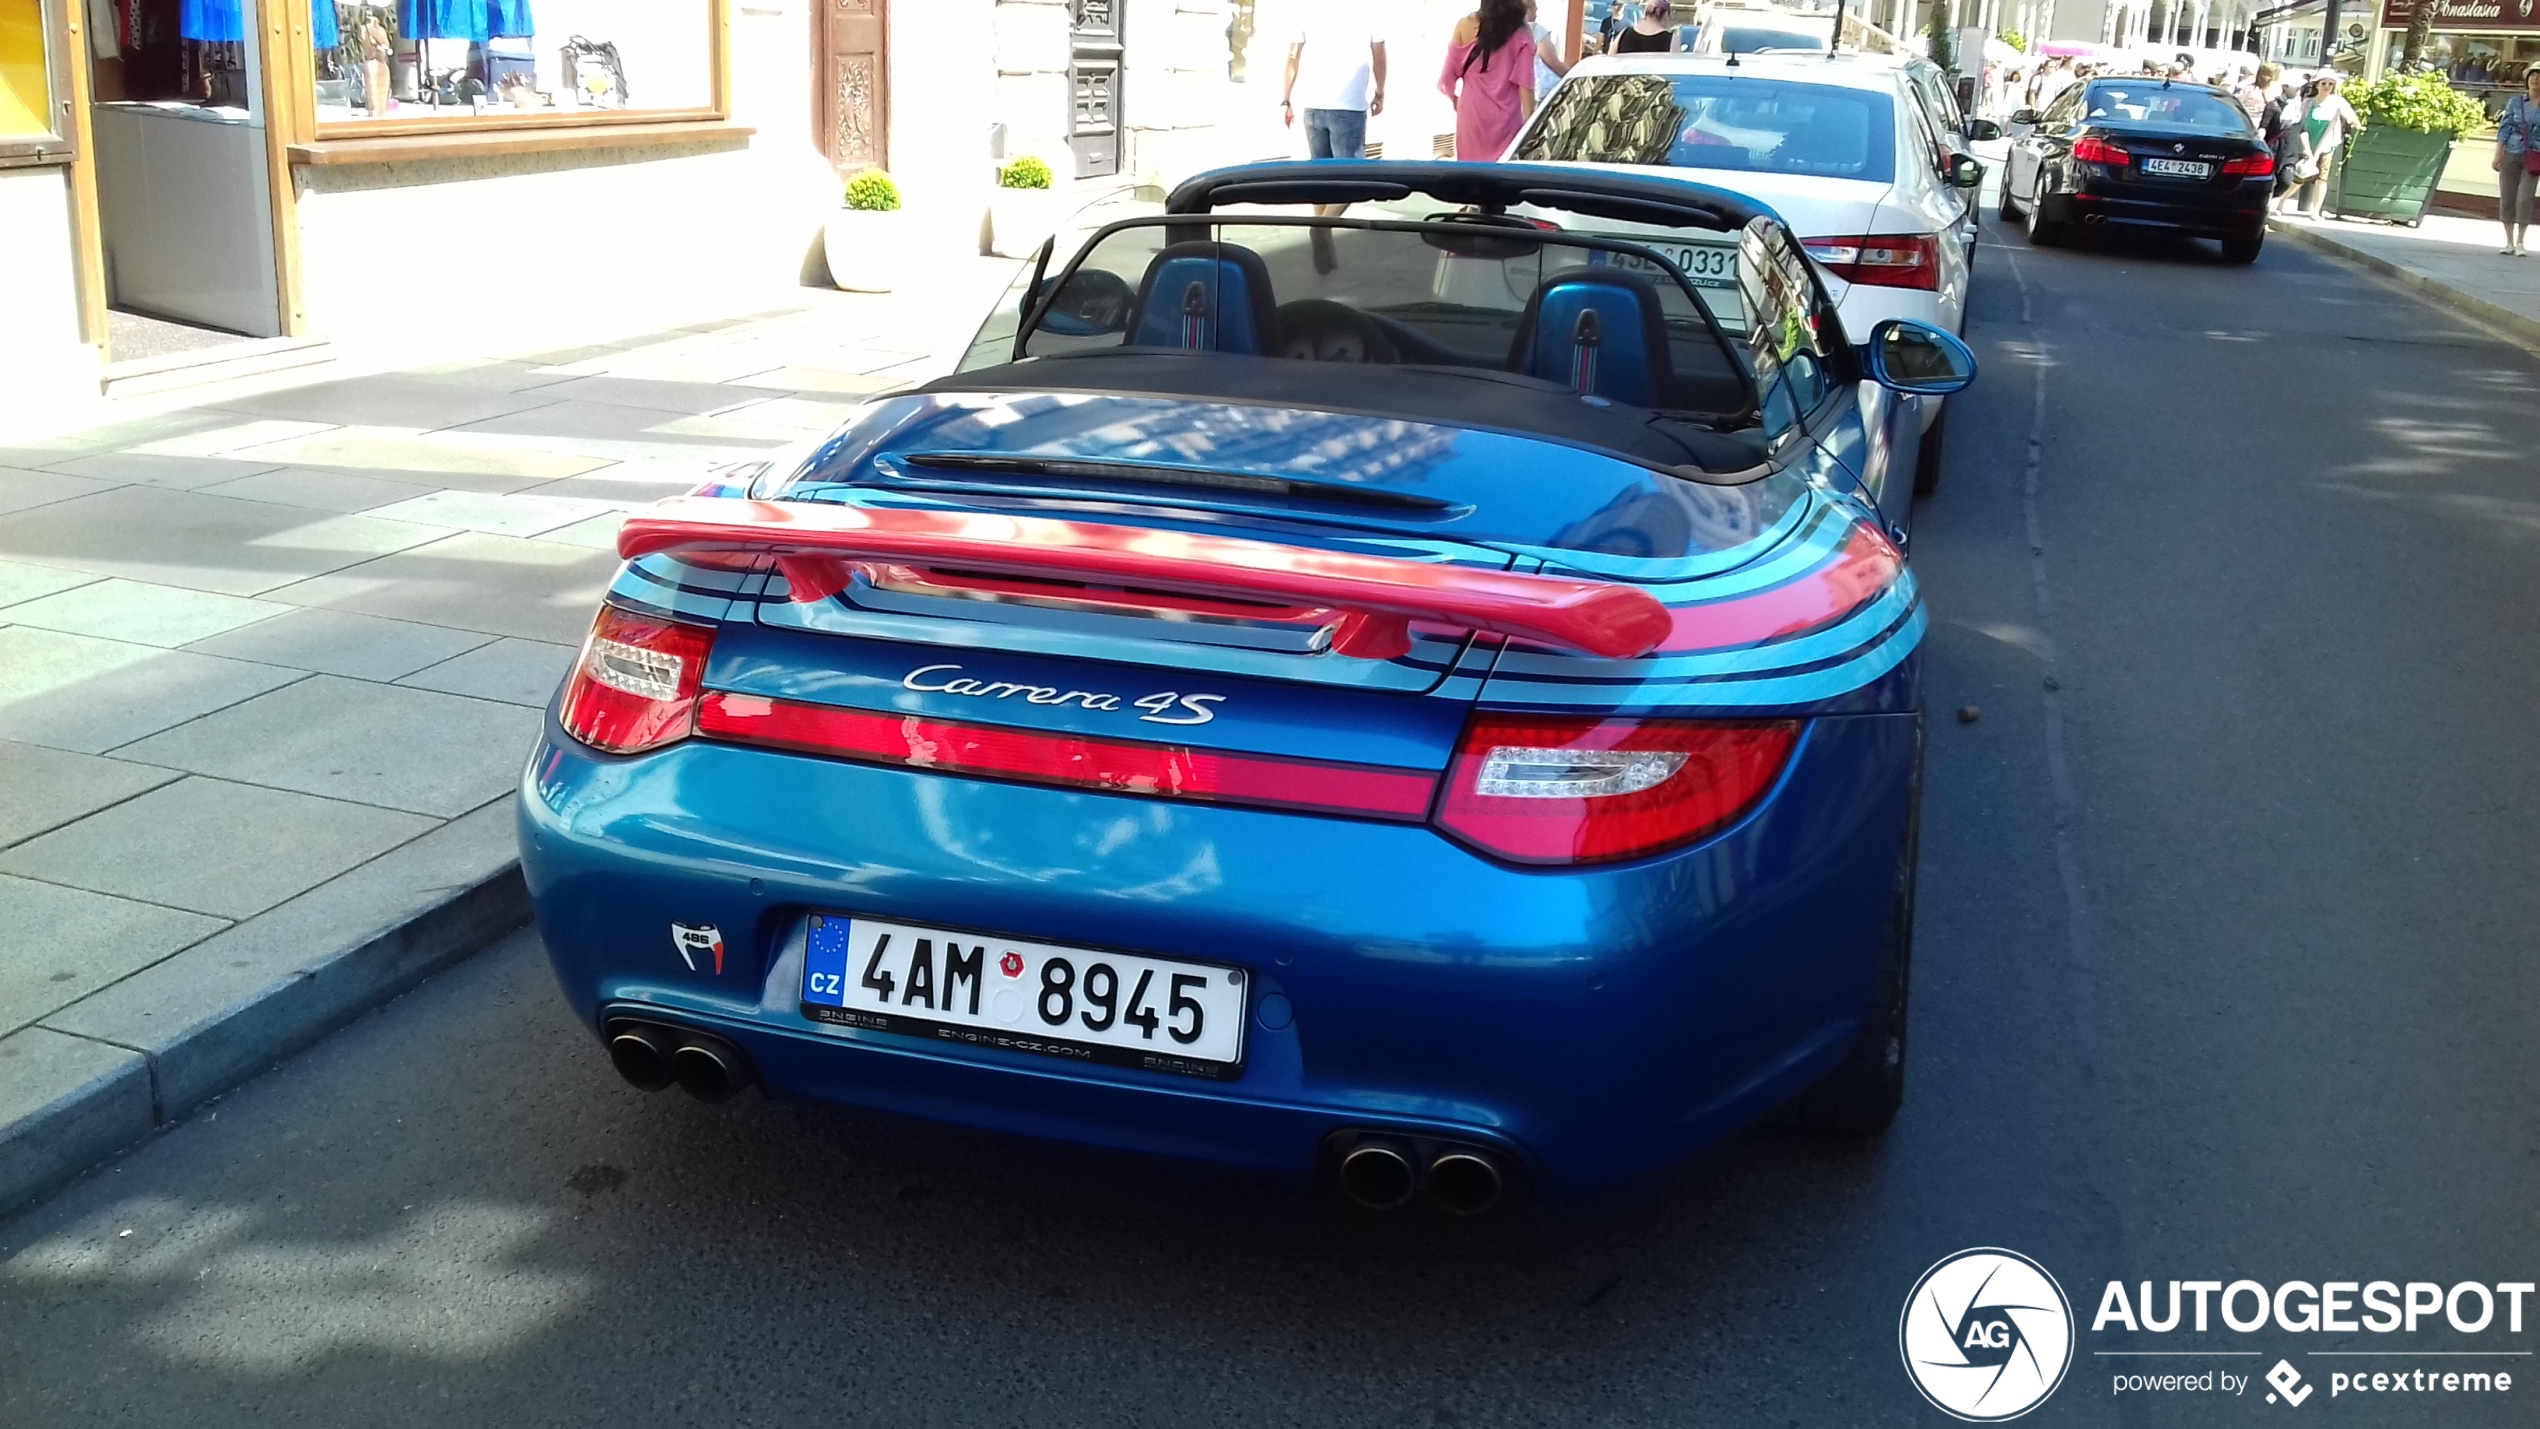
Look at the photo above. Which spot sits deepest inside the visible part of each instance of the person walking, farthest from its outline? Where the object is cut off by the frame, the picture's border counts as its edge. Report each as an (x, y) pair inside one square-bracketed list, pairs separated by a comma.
[(1650, 34), (1336, 74), (2325, 122), (2517, 155), (1549, 66), (1490, 77), (2252, 96)]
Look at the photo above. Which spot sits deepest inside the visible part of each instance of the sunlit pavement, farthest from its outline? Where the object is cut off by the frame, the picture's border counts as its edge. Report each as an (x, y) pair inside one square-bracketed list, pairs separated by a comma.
[(2222, 969)]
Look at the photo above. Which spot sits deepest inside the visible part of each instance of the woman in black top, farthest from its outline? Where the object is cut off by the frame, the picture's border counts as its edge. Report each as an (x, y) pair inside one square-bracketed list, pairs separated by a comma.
[(1650, 33)]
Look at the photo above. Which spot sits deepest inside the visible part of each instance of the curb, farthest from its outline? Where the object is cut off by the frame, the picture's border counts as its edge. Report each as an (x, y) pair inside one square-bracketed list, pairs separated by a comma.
[(2522, 330), (109, 1071)]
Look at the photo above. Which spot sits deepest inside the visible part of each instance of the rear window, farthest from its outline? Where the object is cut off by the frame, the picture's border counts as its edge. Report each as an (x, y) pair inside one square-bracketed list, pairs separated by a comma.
[(1710, 121), (2199, 110), (1748, 40)]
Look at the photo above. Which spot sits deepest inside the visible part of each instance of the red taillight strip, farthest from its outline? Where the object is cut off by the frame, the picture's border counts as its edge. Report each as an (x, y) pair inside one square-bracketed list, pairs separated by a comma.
[(1170, 771), (1866, 565), (817, 544)]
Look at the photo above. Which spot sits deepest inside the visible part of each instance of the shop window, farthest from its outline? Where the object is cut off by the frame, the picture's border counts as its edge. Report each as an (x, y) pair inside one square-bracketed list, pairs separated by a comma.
[(34, 128), (411, 61)]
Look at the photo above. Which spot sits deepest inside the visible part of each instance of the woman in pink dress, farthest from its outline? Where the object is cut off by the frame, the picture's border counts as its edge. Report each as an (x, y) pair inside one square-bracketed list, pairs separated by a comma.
[(1490, 74)]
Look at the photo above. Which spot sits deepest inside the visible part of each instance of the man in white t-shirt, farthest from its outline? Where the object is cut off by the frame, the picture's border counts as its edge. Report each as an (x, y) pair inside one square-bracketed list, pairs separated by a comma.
[(1336, 74)]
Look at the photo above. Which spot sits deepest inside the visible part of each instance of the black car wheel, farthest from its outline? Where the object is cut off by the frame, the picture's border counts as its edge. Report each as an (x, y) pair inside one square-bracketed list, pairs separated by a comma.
[(2041, 232), (1861, 1095), (2243, 250), (1927, 456)]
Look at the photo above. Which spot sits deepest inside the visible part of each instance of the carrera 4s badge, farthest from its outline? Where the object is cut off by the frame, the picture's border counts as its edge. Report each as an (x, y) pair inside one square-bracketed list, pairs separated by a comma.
[(1162, 707)]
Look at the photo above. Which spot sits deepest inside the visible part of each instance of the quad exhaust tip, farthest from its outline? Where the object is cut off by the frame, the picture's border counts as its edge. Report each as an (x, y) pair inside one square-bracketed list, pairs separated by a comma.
[(651, 1057), (1384, 1175)]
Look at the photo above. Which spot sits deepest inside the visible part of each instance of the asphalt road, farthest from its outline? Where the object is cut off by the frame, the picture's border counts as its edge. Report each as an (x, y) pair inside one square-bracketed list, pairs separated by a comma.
[(2224, 970)]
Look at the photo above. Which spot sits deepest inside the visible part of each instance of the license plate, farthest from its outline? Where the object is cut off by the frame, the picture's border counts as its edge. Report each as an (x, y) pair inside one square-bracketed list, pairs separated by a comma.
[(2178, 168), (985, 990), (1709, 265)]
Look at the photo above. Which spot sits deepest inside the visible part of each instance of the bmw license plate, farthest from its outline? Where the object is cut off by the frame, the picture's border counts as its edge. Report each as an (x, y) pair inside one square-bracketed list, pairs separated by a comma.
[(984, 990), (2178, 168)]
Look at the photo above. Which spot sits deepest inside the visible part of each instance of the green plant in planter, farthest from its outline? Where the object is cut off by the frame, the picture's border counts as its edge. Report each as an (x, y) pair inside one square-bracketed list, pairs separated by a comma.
[(2418, 103), (2014, 39), (873, 192), (1025, 173)]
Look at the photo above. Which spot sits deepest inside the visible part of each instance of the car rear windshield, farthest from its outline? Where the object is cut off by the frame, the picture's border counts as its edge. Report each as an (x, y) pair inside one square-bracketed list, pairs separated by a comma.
[(1748, 40), (1718, 121), (2198, 111)]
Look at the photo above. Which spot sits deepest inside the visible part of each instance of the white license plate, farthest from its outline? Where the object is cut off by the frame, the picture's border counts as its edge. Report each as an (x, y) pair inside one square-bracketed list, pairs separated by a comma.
[(1709, 265), (2178, 168), (985, 990)]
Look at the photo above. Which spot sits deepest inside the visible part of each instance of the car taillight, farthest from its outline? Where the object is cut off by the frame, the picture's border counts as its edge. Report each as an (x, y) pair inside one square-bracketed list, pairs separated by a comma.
[(2091, 149), (1548, 789), (635, 687), (1882, 260), (2251, 167)]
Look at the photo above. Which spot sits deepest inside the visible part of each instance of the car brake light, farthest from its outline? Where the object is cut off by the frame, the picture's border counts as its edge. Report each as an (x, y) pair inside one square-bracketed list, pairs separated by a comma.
[(1882, 260), (2091, 149), (2251, 166), (635, 687), (1548, 789)]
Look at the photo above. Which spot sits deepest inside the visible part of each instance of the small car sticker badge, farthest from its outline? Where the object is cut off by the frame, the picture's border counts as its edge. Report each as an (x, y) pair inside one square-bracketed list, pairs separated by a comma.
[(1011, 965), (691, 940)]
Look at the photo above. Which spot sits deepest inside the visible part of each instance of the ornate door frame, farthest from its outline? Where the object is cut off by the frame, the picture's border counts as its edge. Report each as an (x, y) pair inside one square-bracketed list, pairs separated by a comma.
[(851, 88)]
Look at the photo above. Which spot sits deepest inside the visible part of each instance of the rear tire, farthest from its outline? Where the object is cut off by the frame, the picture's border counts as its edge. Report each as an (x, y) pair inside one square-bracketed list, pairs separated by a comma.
[(1862, 1094), (2243, 250), (2041, 233), (1927, 456)]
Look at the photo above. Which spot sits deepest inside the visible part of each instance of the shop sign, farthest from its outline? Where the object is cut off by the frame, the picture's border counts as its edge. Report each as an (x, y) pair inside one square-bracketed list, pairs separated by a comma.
[(2465, 15)]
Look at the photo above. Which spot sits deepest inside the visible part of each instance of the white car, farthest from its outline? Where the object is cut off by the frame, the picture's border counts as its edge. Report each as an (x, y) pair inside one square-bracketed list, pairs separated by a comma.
[(1841, 151)]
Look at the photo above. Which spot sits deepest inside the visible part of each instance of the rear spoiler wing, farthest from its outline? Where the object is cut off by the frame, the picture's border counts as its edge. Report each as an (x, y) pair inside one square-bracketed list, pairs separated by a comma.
[(818, 546)]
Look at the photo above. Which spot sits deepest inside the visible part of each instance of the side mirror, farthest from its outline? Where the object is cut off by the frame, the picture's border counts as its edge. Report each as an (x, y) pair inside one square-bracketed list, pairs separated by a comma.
[(1983, 130), (2022, 116), (1917, 358), (1964, 173)]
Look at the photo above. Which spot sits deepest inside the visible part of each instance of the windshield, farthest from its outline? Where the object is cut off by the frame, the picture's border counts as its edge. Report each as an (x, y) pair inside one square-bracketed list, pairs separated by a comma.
[(1748, 40), (2151, 102), (1488, 299), (1717, 121)]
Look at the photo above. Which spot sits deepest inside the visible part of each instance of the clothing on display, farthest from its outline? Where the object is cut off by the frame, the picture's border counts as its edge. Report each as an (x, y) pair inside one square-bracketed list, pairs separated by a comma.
[(324, 33), (212, 20), (478, 20)]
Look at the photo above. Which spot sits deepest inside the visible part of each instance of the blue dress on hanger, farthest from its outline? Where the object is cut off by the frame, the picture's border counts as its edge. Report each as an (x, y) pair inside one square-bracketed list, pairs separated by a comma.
[(323, 32), (441, 19), (508, 17), (211, 20)]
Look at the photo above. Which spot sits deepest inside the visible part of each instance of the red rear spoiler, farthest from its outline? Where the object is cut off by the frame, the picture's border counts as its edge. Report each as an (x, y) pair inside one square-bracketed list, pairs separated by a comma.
[(817, 545)]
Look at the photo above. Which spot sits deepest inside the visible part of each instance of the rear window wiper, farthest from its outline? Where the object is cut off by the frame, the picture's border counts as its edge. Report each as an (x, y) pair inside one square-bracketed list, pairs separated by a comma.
[(1135, 473)]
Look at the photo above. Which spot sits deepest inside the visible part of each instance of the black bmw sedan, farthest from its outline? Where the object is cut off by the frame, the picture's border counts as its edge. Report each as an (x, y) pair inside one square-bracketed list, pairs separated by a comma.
[(2141, 153)]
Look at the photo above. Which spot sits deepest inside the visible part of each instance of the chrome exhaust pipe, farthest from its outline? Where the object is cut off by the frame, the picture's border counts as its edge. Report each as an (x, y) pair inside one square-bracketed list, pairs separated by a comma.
[(642, 1055), (709, 1069), (1464, 1183), (1377, 1176)]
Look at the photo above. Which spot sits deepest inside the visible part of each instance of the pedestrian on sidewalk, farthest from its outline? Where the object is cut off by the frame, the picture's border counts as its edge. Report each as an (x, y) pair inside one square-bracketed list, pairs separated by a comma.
[(1651, 33), (2517, 158), (1490, 76), (1549, 66), (1336, 74), (2325, 121)]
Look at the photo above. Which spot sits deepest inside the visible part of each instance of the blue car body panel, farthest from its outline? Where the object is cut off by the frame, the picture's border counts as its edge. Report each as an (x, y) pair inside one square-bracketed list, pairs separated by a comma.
[(1588, 1022)]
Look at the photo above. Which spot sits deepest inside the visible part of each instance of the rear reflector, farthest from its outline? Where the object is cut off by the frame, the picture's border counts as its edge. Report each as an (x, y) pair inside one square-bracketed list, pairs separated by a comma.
[(1069, 760), (1545, 789), (635, 687)]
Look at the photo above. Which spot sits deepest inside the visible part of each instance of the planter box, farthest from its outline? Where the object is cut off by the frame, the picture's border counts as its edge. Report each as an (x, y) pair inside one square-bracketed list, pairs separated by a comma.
[(2388, 174), (1020, 219), (866, 248)]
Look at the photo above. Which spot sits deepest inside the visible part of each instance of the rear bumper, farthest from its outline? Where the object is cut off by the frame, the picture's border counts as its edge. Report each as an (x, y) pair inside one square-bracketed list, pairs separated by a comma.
[(2237, 212), (1592, 1024)]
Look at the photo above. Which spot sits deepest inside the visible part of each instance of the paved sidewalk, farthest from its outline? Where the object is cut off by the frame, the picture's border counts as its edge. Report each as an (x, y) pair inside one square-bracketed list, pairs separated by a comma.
[(270, 664), (2452, 259)]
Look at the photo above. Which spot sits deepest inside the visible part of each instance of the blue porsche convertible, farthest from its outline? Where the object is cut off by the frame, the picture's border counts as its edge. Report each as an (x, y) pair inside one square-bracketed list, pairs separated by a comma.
[(1425, 696)]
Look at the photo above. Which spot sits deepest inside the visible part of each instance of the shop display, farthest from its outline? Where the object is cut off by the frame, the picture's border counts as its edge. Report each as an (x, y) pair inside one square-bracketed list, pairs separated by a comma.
[(418, 59)]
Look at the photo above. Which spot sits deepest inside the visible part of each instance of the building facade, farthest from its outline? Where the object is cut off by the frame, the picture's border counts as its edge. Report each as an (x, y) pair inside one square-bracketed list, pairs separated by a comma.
[(282, 172)]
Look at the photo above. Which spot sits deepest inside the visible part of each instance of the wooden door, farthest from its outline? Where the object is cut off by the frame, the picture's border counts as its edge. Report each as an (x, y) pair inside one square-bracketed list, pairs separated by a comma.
[(854, 84)]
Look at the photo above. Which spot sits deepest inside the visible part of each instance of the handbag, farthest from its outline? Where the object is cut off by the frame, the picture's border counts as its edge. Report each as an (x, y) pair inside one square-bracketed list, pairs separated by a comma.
[(2306, 168), (2531, 161)]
